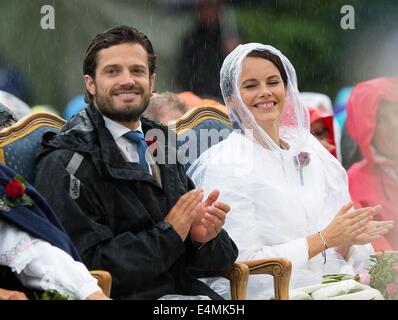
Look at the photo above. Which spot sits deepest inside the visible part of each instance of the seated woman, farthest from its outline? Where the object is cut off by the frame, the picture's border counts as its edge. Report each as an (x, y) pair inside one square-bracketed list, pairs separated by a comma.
[(288, 195), (35, 252), (372, 121)]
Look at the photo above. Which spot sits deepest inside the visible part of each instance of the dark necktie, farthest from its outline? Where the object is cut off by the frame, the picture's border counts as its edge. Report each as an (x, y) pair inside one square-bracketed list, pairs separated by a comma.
[(138, 138)]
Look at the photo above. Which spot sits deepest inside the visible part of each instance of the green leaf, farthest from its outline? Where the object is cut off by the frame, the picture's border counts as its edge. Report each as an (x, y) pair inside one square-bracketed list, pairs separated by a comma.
[(52, 295), (21, 179), (26, 200), (10, 202), (329, 281)]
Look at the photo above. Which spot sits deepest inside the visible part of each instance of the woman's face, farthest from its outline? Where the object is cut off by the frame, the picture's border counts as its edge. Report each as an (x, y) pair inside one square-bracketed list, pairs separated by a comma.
[(262, 90), (385, 138)]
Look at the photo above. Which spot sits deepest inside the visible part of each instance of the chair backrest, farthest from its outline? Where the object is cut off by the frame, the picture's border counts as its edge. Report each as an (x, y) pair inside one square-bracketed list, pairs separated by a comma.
[(19, 142), (199, 129)]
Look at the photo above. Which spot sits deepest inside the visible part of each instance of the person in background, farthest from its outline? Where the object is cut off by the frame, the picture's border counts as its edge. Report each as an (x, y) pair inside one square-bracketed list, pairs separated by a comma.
[(7, 118), (322, 129), (74, 106), (165, 107), (372, 121), (323, 103), (350, 151), (203, 50), (16, 105), (189, 99), (35, 252), (340, 105), (12, 80)]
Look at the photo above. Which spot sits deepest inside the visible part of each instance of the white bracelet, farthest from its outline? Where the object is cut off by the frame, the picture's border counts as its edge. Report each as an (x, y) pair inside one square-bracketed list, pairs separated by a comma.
[(325, 247)]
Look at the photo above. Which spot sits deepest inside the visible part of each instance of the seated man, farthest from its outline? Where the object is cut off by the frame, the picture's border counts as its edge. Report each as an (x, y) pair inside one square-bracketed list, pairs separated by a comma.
[(141, 220), (35, 252)]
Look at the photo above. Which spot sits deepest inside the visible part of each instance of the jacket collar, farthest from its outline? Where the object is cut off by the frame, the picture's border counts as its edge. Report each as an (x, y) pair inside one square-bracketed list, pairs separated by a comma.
[(86, 133)]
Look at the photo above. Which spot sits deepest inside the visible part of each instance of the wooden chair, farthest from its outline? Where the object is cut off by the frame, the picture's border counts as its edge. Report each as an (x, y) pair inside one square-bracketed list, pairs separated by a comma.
[(238, 277), (196, 123), (104, 279), (19, 142), (214, 117), (18, 146)]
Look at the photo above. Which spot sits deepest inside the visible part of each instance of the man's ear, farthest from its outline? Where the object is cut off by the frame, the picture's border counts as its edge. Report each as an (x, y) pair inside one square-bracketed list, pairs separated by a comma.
[(152, 81), (90, 85)]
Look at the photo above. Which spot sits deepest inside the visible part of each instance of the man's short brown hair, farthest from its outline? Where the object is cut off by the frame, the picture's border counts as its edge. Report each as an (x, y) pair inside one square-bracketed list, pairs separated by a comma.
[(112, 37)]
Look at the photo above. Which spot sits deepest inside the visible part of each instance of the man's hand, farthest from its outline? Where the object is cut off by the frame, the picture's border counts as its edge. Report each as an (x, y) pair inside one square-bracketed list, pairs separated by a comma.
[(184, 212), (210, 219), (12, 295)]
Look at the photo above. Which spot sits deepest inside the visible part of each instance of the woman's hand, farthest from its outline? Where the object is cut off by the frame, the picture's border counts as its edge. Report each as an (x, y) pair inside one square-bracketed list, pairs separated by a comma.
[(348, 226), (373, 231)]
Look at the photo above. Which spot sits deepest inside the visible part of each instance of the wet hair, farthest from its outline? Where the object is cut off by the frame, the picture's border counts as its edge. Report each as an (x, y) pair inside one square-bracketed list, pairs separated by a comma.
[(274, 59), (110, 38)]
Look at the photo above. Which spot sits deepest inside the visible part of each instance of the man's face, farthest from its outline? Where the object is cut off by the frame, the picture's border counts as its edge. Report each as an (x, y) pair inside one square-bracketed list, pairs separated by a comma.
[(122, 86)]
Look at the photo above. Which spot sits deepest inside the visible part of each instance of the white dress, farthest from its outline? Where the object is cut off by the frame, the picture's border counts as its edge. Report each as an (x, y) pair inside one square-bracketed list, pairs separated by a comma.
[(271, 215), (42, 266)]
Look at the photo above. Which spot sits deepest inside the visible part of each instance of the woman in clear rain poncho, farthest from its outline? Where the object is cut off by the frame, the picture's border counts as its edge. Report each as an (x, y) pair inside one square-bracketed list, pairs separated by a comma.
[(283, 186)]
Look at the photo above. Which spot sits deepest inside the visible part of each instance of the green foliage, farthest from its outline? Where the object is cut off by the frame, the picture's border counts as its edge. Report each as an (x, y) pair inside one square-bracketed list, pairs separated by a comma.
[(310, 35), (307, 38), (329, 278), (382, 273), (21, 179), (51, 295), (25, 200)]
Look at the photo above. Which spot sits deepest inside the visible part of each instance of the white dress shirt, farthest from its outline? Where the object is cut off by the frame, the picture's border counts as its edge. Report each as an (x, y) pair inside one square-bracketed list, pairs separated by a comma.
[(127, 147)]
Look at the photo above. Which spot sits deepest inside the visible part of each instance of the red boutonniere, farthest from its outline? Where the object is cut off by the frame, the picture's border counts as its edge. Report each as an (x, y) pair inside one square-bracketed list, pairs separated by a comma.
[(152, 145), (15, 193), (302, 160)]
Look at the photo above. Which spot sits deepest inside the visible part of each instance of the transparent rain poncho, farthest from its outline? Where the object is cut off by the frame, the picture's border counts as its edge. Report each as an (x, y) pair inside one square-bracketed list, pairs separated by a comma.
[(276, 199)]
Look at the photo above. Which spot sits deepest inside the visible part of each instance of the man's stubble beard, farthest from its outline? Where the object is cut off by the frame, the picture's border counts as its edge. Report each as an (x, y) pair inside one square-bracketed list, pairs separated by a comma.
[(131, 112)]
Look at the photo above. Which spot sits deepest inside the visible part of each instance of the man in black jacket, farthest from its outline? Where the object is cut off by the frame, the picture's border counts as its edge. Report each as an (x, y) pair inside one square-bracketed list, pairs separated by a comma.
[(141, 220)]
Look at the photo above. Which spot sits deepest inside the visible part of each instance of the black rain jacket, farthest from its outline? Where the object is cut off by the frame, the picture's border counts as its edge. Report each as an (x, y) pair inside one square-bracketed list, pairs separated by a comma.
[(113, 212)]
